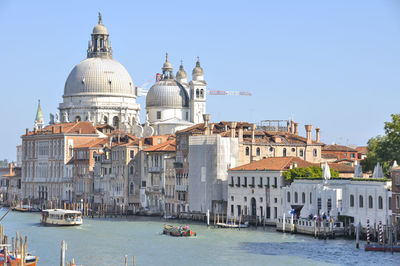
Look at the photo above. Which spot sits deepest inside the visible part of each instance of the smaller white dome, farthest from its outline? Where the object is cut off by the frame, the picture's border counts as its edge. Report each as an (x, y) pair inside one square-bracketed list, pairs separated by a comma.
[(167, 94)]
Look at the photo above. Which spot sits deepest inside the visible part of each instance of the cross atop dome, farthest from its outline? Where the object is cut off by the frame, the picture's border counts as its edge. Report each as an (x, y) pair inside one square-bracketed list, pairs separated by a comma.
[(100, 18)]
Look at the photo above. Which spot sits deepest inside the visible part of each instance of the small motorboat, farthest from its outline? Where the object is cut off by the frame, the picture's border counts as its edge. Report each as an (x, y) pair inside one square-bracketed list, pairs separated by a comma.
[(178, 231), (61, 217), (233, 225), (16, 261)]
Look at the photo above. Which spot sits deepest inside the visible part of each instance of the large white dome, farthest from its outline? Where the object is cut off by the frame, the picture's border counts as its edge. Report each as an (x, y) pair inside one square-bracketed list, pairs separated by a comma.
[(99, 76)]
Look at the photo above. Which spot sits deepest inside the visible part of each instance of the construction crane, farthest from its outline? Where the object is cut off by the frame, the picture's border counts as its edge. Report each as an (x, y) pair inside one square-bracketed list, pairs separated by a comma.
[(144, 89)]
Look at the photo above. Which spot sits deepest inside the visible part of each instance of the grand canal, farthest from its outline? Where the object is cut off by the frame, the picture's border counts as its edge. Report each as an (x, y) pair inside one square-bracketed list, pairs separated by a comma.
[(107, 241)]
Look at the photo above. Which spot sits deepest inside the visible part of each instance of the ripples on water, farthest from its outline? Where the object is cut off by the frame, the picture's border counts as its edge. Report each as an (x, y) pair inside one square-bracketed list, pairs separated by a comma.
[(107, 241)]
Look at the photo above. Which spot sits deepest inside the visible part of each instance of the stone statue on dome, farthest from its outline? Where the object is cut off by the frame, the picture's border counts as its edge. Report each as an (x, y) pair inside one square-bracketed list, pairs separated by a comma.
[(51, 119)]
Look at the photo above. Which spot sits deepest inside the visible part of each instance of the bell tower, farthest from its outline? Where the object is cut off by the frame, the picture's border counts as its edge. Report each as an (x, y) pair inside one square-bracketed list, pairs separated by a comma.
[(198, 99)]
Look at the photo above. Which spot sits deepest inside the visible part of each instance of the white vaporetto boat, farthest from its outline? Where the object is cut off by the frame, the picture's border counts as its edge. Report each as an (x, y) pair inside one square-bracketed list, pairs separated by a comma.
[(61, 217)]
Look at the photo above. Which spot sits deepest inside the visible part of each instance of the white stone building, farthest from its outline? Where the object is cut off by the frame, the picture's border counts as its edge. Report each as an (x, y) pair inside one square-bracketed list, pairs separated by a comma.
[(361, 200), (210, 157), (255, 189)]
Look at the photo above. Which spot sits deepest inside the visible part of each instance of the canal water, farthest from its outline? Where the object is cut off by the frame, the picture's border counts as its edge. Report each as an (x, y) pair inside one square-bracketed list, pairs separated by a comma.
[(107, 241)]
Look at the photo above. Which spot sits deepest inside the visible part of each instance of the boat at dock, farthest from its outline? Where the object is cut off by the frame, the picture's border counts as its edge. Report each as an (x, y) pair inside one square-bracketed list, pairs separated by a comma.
[(379, 247), (232, 225), (310, 227), (16, 260), (178, 231), (60, 217), (25, 208)]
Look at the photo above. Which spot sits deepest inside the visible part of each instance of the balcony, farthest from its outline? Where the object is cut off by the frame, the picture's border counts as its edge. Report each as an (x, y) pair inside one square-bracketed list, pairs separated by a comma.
[(155, 169), (181, 188)]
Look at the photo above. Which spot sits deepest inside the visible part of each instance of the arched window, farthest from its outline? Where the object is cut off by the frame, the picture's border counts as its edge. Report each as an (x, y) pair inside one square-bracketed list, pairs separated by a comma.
[(288, 196), (271, 149), (351, 200), (105, 120), (303, 198), (197, 93), (116, 121), (131, 170), (380, 203), (361, 202), (247, 151), (77, 118), (131, 188), (370, 202), (284, 152), (301, 153), (202, 93), (310, 197), (296, 197), (258, 152), (315, 152), (253, 181)]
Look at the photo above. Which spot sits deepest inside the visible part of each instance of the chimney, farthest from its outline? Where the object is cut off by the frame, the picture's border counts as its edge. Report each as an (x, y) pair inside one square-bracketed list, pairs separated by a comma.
[(240, 134), (296, 128), (80, 131), (206, 118), (211, 129), (35, 131), (11, 166), (317, 134), (233, 129), (253, 132), (52, 130), (292, 126), (226, 128), (61, 131), (288, 128), (308, 132), (27, 131)]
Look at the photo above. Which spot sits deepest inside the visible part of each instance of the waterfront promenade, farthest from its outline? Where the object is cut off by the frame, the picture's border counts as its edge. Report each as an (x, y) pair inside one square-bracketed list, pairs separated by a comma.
[(106, 241)]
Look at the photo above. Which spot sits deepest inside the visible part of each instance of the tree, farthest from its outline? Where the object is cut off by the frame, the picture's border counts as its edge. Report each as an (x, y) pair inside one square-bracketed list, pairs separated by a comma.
[(307, 172), (384, 149)]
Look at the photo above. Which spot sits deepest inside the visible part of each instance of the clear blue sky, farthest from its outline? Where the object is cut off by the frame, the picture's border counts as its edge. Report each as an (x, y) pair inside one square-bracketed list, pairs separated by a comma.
[(334, 64)]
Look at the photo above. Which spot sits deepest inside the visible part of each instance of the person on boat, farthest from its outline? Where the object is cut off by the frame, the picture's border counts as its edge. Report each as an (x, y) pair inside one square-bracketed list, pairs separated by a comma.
[(186, 227)]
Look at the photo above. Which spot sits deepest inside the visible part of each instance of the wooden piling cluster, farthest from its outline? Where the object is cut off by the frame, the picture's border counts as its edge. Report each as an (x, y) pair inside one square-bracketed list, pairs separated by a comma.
[(17, 248)]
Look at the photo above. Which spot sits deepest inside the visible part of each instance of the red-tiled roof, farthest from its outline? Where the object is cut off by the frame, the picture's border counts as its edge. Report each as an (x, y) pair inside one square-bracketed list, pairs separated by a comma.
[(169, 145), (342, 168), (336, 147), (328, 156), (82, 127), (96, 143), (273, 164), (362, 150)]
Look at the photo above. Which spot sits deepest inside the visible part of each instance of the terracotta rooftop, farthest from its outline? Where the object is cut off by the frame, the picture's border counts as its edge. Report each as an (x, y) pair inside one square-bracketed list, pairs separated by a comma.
[(336, 147), (264, 137), (82, 127), (96, 143), (273, 164), (169, 145), (342, 168), (362, 150), (328, 156)]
